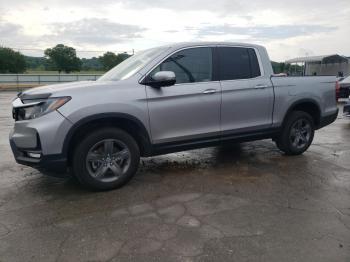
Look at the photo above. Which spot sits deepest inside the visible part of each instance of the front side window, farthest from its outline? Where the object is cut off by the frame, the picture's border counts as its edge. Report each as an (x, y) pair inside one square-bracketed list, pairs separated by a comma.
[(238, 63), (189, 65)]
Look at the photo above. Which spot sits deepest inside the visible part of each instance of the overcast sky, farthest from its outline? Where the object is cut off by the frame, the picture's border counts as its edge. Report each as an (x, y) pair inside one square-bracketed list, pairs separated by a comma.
[(297, 28)]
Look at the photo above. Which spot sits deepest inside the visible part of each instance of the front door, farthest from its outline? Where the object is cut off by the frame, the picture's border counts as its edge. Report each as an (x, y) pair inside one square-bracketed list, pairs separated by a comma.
[(190, 109)]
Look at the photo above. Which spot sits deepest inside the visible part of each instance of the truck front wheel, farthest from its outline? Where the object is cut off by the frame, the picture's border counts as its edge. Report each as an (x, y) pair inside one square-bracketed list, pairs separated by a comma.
[(297, 133), (105, 159)]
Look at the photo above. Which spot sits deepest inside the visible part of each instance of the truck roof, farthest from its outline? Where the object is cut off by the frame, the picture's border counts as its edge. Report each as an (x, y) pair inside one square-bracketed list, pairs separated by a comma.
[(202, 43)]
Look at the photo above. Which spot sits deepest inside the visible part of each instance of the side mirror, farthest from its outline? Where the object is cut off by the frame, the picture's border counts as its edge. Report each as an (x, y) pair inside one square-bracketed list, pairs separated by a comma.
[(161, 78)]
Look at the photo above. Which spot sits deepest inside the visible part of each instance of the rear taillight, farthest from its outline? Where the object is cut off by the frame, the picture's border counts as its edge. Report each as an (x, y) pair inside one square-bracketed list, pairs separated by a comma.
[(337, 90)]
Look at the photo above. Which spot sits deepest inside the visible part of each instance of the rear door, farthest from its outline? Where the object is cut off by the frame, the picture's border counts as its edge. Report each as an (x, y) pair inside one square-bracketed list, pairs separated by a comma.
[(190, 109), (247, 95)]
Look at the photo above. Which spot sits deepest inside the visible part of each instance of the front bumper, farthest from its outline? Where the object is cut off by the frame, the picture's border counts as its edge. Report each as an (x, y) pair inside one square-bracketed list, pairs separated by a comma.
[(52, 163), (39, 142)]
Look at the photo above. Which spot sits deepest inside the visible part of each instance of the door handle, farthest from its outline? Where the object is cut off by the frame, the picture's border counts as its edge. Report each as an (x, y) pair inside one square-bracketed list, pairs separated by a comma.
[(260, 86), (209, 91)]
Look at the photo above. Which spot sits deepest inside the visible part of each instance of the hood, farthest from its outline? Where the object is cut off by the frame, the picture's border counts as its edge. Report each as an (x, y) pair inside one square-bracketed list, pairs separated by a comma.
[(43, 92)]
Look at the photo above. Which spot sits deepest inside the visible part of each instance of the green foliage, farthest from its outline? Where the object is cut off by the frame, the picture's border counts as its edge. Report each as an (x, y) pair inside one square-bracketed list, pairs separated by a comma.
[(59, 58), (279, 67), (35, 63), (11, 61), (87, 64), (62, 58), (286, 68), (110, 59), (91, 64)]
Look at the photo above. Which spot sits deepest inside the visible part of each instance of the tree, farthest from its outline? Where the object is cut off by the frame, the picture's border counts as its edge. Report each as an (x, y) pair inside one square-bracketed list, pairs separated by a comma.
[(11, 61), (63, 58), (35, 63), (278, 67), (110, 59), (92, 63)]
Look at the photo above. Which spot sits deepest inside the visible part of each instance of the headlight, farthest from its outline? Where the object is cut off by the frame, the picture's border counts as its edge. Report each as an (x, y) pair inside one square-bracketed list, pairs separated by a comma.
[(34, 109)]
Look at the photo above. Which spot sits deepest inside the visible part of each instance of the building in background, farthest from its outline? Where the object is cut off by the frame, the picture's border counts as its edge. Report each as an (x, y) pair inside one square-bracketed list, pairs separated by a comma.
[(320, 65)]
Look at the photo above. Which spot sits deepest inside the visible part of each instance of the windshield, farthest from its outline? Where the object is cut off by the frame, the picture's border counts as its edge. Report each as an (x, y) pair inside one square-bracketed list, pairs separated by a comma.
[(131, 65)]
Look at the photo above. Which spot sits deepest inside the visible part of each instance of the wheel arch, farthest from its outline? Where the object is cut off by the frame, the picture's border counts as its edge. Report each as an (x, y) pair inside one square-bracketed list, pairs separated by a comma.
[(309, 106), (126, 122)]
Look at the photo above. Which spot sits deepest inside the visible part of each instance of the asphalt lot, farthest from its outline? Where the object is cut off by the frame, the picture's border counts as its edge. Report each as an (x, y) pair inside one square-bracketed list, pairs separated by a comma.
[(243, 202)]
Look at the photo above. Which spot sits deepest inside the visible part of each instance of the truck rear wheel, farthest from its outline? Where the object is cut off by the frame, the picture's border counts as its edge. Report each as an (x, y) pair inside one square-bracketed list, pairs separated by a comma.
[(106, 159), (297, 133)]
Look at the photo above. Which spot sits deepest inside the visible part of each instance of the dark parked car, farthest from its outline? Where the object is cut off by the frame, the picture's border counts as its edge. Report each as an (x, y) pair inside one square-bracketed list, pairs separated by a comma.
[(346, 109), (344, 88)]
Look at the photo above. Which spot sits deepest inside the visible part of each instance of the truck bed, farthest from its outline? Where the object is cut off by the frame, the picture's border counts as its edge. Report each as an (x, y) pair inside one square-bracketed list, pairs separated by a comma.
[(317, 89)]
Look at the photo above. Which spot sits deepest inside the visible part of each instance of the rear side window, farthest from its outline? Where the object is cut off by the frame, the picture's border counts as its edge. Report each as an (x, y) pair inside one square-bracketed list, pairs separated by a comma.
[(254, 64), (189, 65), (238, 63)]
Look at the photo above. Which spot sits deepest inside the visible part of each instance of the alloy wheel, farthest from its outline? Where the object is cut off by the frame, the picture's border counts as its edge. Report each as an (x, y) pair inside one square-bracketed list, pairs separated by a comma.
[(108, 160), (300, 133)]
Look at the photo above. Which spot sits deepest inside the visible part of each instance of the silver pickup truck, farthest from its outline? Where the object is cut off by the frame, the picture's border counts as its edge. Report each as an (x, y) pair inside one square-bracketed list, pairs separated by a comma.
[(163, 100)]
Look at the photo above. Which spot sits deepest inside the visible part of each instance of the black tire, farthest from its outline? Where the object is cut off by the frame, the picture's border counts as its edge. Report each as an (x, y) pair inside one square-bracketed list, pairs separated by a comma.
[(287, 140), (84, 169)]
